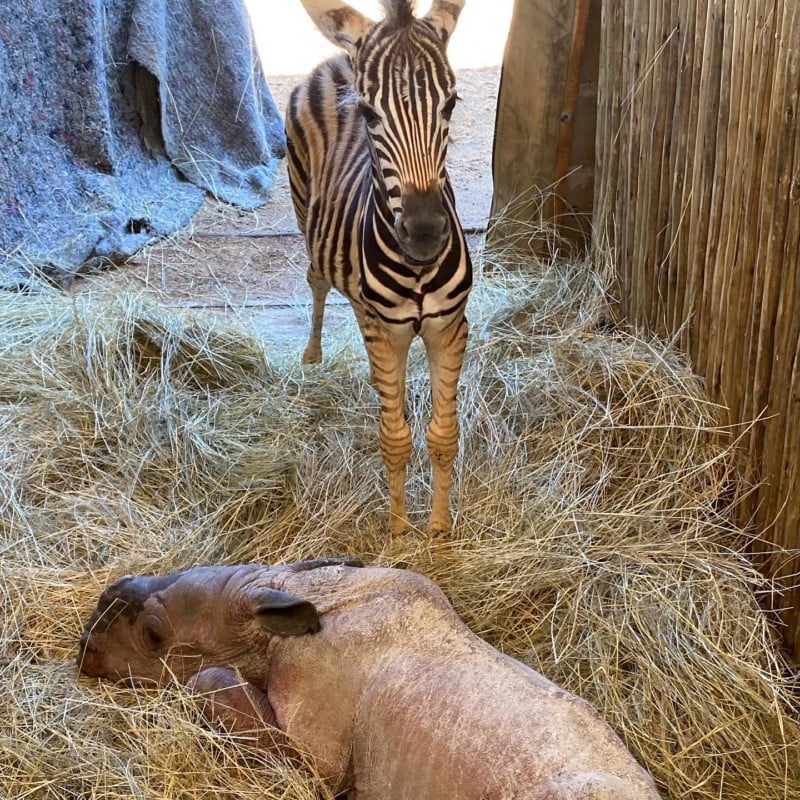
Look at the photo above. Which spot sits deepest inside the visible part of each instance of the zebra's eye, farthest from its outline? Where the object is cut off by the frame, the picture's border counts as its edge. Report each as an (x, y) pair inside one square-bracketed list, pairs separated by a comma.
[(370, 115), (448, 107)]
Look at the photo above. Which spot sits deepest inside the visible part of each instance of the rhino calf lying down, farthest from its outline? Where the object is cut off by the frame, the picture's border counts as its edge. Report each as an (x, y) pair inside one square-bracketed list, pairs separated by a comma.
[(368, 670)]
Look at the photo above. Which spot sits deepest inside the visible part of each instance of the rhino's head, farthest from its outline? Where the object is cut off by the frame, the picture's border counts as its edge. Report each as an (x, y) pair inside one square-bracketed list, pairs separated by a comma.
[(157, 628)]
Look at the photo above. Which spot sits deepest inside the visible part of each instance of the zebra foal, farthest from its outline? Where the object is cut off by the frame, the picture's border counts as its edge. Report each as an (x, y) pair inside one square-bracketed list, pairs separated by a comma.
[(367, 137)]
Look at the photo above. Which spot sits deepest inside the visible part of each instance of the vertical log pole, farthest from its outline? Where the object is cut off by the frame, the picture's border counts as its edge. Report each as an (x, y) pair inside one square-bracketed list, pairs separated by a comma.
[(547, 111), (572, 82)]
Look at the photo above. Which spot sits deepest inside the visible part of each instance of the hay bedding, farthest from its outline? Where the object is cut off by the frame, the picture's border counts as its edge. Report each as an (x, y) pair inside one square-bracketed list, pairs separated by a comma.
[(594, 535)]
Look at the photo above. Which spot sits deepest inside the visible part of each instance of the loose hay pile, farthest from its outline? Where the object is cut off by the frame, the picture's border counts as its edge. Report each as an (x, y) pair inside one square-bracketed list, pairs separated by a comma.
[(593, 537)]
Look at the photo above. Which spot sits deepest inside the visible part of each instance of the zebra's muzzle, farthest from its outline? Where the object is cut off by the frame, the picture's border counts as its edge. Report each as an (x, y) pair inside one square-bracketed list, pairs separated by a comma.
[(422, 227)]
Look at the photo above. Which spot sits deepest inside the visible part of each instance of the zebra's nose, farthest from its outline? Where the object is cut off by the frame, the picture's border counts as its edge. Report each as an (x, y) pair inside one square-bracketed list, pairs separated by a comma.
[(422, 226)]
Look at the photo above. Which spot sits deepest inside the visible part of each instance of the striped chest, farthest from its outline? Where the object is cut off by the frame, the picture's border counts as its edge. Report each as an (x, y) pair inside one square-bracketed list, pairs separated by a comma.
[(399, 293)]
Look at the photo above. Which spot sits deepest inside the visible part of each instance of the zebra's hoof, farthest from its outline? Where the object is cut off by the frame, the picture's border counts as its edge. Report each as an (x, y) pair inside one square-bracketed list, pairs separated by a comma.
[(439, 527), (312, 355), (398, 525)]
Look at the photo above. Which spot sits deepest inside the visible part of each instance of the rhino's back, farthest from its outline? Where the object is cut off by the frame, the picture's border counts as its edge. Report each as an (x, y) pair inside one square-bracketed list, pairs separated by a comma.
[(475, 725), (439, 713)]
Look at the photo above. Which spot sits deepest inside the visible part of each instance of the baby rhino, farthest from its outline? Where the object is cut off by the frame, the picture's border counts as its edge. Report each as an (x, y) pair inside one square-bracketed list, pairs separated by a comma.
[(370, 672)]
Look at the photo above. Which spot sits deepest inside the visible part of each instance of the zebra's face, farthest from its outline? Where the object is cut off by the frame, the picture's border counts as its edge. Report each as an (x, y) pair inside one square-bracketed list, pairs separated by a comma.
[(407, 93)]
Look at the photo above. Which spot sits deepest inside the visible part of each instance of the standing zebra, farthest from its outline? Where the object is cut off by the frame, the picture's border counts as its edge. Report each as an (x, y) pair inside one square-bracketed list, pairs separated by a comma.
[(367, 138)]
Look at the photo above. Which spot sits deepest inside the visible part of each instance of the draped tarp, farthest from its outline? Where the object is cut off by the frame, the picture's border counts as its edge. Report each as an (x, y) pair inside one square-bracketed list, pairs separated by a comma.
[(116, 117)]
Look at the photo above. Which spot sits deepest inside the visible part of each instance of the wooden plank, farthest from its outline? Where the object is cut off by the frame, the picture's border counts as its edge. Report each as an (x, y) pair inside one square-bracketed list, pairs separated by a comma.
[(572, 82), (578, 186), (528, 110), (531, 106), (731, 187), (688, 279), (622, 206), (688, 275)]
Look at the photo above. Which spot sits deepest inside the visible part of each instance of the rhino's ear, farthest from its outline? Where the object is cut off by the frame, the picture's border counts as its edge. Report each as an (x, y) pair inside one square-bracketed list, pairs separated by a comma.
[(284, 613)]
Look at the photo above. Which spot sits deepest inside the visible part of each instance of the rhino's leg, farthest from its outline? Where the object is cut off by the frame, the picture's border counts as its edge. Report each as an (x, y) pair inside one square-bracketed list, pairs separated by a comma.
[(236, 706)]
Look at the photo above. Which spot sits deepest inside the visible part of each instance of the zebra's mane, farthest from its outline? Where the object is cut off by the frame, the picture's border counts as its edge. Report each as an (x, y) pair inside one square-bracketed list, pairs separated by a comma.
[(398, 13)]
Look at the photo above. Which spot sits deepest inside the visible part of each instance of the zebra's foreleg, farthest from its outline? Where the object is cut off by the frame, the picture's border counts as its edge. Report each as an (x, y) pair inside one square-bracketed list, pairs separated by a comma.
[(388, 357), (319, 291), (445, 357)]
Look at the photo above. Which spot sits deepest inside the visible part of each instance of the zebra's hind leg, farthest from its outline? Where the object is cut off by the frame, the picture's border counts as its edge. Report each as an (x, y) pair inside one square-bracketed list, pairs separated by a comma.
[(319, 291), (388, 357), (445, 348)]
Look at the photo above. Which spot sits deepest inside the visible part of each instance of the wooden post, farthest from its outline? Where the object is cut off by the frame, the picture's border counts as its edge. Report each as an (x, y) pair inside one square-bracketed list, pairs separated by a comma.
[(546, 115), (572, 83)]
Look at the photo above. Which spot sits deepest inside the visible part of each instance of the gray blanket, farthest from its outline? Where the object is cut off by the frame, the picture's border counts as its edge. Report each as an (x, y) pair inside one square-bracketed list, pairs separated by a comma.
[(116, 117)]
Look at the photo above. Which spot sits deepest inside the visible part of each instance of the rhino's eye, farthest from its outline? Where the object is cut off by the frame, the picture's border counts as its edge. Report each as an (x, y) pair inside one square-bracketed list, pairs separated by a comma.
[(152, 632)]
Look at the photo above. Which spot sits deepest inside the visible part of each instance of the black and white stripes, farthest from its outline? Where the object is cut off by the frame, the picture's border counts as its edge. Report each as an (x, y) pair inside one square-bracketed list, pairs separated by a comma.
[(367, 135)]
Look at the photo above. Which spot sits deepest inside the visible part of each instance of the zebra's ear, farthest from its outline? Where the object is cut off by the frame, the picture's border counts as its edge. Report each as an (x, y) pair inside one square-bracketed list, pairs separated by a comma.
[(443, 16), (341, 24)]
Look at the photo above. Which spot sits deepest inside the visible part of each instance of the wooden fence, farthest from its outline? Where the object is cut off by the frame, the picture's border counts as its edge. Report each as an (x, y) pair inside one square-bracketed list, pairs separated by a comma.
[(694, 181), (697, 187)]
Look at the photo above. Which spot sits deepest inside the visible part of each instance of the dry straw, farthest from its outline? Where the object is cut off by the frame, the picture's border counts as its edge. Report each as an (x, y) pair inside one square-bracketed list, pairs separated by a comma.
[(594, 534)]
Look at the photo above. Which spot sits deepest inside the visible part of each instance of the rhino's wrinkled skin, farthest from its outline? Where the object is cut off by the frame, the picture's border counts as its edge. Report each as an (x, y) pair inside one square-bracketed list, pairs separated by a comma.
[(371, 672)]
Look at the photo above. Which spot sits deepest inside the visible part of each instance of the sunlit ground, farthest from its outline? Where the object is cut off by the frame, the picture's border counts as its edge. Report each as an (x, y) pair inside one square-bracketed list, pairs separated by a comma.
[(290, 44)]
